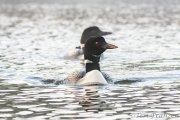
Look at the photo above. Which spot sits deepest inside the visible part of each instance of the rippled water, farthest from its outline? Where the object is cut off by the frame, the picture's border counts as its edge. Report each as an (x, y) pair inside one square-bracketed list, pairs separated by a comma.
[(146, 66)]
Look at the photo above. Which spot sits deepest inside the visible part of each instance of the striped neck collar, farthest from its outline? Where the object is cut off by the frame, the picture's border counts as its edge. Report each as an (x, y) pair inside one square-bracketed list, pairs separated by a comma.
[(82, 46), (87, 61)]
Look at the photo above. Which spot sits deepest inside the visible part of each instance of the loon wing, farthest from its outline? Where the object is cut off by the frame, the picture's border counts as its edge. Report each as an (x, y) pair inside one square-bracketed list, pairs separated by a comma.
[(74, 77), (107, 77)]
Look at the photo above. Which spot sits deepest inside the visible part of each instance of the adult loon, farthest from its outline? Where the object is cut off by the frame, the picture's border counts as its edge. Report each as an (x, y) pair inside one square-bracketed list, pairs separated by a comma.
[(94, 47), (92, 31)]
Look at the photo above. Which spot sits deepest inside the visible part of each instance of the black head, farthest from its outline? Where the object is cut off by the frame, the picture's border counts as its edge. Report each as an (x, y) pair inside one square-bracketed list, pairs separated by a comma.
[(94, 47), (93, 31)]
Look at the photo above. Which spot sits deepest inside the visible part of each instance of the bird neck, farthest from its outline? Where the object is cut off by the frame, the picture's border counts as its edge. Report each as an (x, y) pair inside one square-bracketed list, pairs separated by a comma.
[(93, 63), (92, 66)]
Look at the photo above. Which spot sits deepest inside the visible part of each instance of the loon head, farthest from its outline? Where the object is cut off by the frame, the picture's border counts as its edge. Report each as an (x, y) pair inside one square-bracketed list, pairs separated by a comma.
[(92, 31), (94, 47)]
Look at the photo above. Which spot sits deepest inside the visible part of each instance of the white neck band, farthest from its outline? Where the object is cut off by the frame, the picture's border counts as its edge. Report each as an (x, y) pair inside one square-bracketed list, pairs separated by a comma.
[(87, 61)]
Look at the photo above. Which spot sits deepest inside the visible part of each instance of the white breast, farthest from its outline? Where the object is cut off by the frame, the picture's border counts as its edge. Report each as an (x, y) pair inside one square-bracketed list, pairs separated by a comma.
[(92, 77)]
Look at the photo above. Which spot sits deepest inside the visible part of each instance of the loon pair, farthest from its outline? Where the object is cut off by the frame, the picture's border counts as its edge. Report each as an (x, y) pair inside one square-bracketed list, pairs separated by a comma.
[(92, 31), (93, 49)]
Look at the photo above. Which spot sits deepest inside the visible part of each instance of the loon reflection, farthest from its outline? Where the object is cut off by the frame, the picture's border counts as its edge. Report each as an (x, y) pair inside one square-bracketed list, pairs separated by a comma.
[(93, 101)]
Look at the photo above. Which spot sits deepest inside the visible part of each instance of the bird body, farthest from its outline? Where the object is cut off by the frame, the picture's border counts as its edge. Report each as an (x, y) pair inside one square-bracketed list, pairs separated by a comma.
[(76, 53), (80, 77)]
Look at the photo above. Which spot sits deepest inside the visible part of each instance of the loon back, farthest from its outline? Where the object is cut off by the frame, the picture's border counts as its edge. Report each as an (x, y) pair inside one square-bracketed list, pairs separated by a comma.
[(76, 53)]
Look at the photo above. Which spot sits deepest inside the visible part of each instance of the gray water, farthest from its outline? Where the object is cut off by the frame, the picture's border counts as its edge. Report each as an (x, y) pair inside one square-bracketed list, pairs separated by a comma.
[(34, 37)]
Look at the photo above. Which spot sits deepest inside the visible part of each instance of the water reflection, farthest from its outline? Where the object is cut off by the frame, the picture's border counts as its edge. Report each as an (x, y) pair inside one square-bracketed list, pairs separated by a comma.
[(77, 102), (93, 101)]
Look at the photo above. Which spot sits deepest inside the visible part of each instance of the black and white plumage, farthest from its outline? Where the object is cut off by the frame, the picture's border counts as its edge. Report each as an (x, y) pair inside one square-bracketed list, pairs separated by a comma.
[(76, 77), (77, 53), (94, 47)]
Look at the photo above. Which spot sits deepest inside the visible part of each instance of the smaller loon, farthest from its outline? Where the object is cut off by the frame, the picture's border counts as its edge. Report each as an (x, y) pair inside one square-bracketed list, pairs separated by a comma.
[(92, 31), (93, 49)]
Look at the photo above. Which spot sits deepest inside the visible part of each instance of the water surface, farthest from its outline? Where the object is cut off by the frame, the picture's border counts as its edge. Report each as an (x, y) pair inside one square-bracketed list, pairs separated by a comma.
[(145, 68)]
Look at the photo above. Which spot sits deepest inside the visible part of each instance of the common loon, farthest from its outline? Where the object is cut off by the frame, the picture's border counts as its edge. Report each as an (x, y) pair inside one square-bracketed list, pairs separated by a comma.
[(93, 49), (77, 52)]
